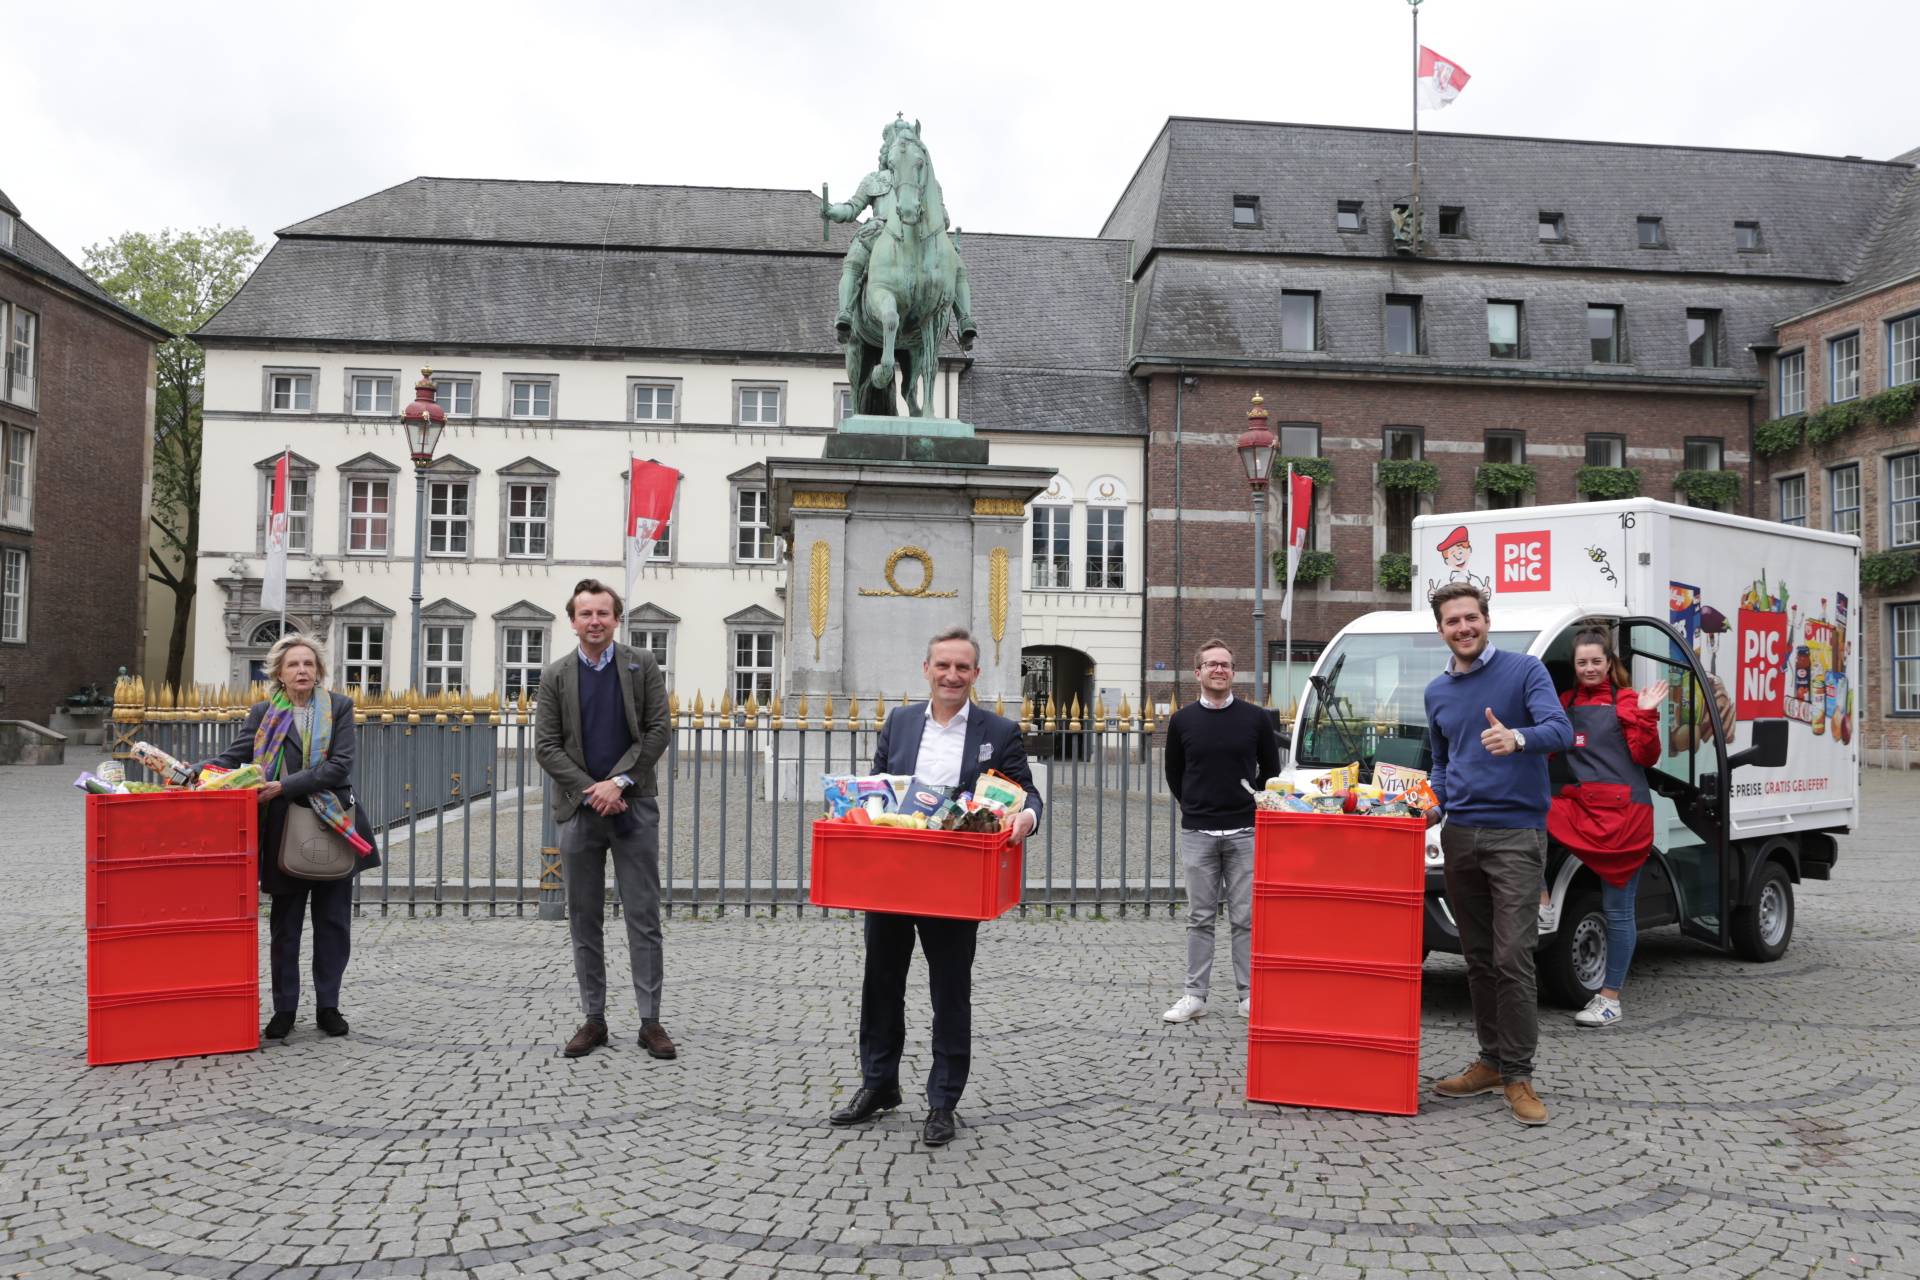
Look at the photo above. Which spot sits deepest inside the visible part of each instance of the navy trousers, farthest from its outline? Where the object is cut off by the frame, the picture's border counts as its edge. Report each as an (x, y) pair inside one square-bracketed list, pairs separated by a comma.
[(948, 946), (332, 903)]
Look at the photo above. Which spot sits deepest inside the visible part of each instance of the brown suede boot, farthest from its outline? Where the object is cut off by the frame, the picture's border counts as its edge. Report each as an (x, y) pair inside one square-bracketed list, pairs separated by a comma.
[(1525, 1103), (1481, 1077)]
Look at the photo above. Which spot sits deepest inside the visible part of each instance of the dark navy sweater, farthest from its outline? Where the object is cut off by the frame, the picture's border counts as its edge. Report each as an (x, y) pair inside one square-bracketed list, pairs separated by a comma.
[(604, 736), (1475, 787)]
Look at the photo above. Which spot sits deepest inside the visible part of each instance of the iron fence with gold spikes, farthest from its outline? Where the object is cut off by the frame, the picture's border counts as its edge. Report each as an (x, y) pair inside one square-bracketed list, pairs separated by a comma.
[(452, 782)]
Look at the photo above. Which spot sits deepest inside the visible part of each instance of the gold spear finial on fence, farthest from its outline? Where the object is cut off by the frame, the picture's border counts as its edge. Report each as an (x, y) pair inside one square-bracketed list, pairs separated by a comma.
[(1026, 714), (699, 705), (800, 711), (1073, 715), (1099, 712), (726, 704), (752, 709), (773, 712)]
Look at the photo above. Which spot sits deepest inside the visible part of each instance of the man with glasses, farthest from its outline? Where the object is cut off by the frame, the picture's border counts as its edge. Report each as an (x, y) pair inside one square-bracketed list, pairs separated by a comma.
[(1213, 745)]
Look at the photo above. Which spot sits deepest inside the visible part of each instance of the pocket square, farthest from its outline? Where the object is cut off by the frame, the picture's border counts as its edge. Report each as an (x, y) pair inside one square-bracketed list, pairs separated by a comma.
[(986, 753)]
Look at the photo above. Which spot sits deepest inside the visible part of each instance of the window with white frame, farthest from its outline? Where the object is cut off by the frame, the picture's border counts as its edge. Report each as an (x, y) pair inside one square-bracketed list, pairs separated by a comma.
[(1793, 383), (523, 652), (1791, 500), (454, 394), (449, 504), (1903, 350), (842, 403), (752, 666), (1052, 547), (1843, 368), (299, 506), (369, 517), (1703, 453), (363, 656), (444, 653), (1906, 657), (1401, 506), (16, 497), (290, 392), (1903, 499), (757, 406), (1299, 320), (1106, 548), (6, 229), (530, 398), (22, 361), (1843, 498), (655, 639), (13, 595), (752, 530), (653, 401), (371, 393), (529, 517)]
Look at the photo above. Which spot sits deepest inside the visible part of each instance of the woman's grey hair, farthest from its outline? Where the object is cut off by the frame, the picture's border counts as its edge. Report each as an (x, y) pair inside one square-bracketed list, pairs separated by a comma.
[(277, 655), (955, 633)]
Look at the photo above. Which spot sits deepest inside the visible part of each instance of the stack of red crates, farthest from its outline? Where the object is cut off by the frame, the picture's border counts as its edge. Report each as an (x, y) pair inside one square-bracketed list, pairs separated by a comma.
[(173, 946), (1336, 961)]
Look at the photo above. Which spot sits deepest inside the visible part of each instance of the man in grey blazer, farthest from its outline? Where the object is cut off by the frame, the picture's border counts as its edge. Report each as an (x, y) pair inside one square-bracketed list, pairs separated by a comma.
[(600, 727)]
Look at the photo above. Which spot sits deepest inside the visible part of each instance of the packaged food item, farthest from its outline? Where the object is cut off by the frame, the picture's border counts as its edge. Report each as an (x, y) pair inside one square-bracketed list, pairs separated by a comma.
[(1000, 790), (1344, 778), (169, 769), (1279, 786), (846, 791), (245, 777), (1395, 778), (1297, 804), (210, 773), (1420, 796), (142, 788), (94, 786), (1391, 809), (922, 797), (912, 821), (111, 773), (1330, 802)]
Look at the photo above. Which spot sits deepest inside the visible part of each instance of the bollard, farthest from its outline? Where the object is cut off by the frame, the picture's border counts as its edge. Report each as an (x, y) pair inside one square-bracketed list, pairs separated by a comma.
[(553, 886)]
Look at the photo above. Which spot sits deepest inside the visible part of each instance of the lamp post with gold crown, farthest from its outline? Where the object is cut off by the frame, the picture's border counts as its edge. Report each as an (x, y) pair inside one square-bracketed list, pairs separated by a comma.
[(1256, 455), (423, 421)]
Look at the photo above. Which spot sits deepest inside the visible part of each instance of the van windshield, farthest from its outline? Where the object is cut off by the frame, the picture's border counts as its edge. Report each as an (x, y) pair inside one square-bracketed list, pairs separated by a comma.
[(1370, 704)]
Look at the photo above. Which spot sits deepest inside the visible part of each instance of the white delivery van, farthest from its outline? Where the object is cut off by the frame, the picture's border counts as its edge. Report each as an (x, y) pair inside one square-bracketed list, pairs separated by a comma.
[(1755, 626)]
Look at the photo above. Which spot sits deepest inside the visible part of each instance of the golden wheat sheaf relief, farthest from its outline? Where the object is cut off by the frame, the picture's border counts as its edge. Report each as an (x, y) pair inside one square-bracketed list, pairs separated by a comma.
[(820, 558), (997, 598)]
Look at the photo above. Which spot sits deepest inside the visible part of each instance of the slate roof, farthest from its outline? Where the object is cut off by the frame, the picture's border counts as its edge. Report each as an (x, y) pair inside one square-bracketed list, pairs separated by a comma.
[(1894, 251), (36, 252), (8, 206), (1816, 212)]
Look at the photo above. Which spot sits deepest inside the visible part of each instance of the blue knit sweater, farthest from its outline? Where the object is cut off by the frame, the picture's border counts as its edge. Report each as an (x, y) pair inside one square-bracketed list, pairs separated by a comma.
[(1476, 788)]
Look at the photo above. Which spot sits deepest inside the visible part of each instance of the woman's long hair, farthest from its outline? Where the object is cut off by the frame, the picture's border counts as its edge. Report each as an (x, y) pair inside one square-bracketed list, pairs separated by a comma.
[(1616, 669)]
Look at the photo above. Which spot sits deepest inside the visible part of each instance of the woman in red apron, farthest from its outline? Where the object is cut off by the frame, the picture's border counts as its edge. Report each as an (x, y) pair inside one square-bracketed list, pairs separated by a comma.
[(1605, 815)]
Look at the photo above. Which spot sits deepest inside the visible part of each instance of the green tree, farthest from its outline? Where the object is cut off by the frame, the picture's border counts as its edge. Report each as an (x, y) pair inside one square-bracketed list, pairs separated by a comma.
[(176, 279)]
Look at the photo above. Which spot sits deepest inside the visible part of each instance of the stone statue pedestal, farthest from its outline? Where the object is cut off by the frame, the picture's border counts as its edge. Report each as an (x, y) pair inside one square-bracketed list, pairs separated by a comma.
[(892, 536)]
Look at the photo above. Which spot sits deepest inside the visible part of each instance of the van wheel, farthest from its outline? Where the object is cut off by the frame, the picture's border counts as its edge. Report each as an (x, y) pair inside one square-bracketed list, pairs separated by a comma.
[(1572, 962), (1763, 931)]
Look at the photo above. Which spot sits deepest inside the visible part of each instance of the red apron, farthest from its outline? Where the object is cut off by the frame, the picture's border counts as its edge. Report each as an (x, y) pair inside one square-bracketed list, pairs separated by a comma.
[(1605, 815)]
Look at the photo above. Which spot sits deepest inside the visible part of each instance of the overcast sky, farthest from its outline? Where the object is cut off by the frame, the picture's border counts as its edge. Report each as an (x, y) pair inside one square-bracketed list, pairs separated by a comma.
[(143, 116)]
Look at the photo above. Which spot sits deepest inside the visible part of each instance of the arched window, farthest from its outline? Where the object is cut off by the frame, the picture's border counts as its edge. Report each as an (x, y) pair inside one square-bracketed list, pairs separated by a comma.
[(1106, 535), (1052, 565), (269, 631)]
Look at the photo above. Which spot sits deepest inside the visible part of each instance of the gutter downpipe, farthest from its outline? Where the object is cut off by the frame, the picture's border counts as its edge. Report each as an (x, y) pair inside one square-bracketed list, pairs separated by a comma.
[(1179, 516)]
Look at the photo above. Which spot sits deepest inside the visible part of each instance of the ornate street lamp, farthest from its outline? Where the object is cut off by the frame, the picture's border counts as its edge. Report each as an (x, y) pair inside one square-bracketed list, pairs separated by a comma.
[(423, 421), (1256, 456)]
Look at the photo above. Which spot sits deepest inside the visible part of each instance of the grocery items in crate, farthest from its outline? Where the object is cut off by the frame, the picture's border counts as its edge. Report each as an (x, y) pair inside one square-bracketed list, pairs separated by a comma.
[(171, 771), (214, 778), (1366, 799), (913, 804), (98, 786)]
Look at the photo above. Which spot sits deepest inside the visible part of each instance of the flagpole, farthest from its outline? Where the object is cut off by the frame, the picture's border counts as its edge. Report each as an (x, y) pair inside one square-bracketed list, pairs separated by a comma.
[(1413, 210), (1287, 612), (286, 469)]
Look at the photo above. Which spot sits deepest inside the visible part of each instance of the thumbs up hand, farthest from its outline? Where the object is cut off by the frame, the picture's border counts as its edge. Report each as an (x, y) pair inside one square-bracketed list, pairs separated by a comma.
[(1497, 738)]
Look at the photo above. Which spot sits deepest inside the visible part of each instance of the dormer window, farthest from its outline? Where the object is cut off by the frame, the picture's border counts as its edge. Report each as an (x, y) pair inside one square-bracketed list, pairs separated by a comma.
[(1651, 231), (1746, 237), (1246, 211), (6, 230), (1453, 220), (1350, 216), (1553, 227)]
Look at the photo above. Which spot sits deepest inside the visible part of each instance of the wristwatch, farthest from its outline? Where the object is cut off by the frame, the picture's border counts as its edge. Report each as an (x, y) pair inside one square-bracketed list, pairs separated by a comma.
[(624, 781), (1519, 740)]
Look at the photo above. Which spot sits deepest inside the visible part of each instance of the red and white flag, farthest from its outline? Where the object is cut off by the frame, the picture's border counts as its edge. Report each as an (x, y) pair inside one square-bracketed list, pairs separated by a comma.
[(1299, 512), (650, 492), (1438, 80), (273, 584)]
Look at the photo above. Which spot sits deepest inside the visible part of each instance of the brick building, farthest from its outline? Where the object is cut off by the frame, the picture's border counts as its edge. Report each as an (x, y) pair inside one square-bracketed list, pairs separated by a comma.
[(1841, 449), (76, 432), (1571, 305)]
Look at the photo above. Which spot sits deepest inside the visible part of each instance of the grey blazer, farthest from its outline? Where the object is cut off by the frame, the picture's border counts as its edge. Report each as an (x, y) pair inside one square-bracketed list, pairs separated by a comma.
[(556, 726)]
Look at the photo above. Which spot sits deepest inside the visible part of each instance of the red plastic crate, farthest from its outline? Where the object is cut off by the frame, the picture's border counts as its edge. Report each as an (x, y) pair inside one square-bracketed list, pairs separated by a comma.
[(173, 1024), (1347, 1073), (1329, 997), (172, 890), (1358, 926), (953, 874), (1339, 851), (135, 959), (171, 824)]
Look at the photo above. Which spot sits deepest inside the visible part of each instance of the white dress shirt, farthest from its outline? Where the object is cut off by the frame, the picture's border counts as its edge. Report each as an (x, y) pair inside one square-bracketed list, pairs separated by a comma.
[(942, 749)]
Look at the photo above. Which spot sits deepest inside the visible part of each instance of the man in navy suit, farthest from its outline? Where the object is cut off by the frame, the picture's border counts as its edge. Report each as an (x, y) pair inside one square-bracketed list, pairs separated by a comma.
[(946, 741)]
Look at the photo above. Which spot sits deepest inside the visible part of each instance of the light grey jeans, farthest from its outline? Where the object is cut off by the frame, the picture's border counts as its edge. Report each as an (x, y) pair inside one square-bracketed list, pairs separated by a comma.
[(1217, 868), (585, 841)]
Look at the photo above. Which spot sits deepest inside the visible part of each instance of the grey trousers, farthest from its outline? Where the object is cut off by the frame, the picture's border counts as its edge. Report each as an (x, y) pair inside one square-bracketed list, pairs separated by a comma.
[(1493, 889), (1218, 868), (585, 841)]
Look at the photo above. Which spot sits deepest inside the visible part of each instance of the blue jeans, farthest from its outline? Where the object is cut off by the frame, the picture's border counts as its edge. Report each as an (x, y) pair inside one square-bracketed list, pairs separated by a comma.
[(1622, 929)]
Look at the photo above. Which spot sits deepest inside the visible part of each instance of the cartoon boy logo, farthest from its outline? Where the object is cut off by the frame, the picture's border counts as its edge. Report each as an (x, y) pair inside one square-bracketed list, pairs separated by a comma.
[(1456, 549)]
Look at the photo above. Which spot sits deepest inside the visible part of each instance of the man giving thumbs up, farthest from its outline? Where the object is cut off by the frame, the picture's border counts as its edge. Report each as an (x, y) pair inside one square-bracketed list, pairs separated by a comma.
[(1492, 720)]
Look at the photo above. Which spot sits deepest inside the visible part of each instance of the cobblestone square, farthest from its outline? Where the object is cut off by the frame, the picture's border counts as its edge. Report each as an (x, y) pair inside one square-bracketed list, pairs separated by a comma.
[(1744, 1121)]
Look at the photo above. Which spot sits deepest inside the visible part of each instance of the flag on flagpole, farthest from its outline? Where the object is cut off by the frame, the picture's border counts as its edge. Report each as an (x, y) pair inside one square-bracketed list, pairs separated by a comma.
[(273, 586), (1438, 80), (1299, 511), (650, 491)]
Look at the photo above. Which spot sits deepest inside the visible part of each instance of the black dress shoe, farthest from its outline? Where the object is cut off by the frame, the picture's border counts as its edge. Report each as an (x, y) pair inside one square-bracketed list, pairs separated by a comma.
[(331, 1022), (277, 1027), (866, 1104), (940, 1126)]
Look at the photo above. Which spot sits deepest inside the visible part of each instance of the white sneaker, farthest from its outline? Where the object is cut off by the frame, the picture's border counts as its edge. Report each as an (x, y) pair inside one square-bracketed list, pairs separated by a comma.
[(1246, 1007), (1601, 1011), (1185, 1009)]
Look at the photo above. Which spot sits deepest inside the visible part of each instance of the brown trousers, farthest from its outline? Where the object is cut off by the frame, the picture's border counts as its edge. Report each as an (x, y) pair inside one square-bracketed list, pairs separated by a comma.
[(1493, 890)]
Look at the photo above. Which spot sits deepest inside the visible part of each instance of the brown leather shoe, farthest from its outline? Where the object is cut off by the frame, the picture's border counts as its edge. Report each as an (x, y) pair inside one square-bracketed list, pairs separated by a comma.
[(591, 1035), (1481, 1077), (654, 1039), (1525, 1103)]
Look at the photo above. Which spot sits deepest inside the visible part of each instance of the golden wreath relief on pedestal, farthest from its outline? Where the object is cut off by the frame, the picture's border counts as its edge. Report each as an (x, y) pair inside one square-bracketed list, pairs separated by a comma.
[(921, 591)]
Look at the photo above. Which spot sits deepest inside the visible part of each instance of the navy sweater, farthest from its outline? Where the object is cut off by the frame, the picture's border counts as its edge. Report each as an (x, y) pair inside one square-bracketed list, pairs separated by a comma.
[(1476, 788), (604, 736)]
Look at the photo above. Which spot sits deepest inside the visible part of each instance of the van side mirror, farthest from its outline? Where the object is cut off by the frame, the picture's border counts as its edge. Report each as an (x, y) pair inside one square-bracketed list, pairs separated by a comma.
[(1769, 748)]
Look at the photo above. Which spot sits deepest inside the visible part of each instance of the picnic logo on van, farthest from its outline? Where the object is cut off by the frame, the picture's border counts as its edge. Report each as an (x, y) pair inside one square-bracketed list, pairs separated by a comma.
[(1524, 561)]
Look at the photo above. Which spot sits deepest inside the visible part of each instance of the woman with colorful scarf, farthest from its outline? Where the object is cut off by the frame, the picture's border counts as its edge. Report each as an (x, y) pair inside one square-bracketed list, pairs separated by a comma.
[(302, 737)]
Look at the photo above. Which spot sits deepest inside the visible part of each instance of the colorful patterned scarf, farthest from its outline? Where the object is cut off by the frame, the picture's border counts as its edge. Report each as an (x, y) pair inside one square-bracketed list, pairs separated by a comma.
[(269, 749)]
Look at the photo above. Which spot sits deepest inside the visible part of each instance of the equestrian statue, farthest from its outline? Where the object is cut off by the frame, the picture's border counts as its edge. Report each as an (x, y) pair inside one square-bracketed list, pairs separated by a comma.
[(903, 285)]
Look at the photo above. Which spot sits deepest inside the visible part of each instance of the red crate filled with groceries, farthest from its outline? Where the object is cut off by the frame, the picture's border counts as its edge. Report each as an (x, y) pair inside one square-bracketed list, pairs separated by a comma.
[(902, 845)]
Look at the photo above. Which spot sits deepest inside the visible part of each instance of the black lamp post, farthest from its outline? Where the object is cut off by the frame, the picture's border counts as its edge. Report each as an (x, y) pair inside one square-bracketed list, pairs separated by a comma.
[(1256, 455), (423, 421)]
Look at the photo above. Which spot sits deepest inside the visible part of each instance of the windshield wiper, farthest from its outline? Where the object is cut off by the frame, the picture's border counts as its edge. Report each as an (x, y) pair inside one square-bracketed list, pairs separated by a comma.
[(1323, 685)]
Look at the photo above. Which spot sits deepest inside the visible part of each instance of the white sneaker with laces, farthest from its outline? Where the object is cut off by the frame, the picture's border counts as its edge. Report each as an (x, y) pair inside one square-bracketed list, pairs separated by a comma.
[(1601, 1011), (1246, 1007), (1185, 1009)]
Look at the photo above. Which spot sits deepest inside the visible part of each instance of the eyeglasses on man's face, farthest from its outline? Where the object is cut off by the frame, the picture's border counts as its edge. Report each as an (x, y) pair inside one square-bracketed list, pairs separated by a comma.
[(1216, 666)]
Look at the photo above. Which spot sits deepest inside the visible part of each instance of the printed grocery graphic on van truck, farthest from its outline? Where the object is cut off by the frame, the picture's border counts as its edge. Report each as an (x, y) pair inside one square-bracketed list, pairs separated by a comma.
[(1790, 666)]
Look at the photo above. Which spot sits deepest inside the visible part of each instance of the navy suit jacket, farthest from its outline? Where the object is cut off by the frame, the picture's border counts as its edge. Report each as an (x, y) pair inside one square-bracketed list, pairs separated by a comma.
[(993, 742)]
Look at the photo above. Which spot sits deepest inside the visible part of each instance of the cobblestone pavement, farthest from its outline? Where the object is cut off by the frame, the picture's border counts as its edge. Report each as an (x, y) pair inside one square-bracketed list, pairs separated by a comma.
[(1745, 1120)]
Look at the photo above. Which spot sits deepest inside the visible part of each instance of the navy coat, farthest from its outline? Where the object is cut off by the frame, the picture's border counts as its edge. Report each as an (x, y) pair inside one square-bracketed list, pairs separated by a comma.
[(993, 742)]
